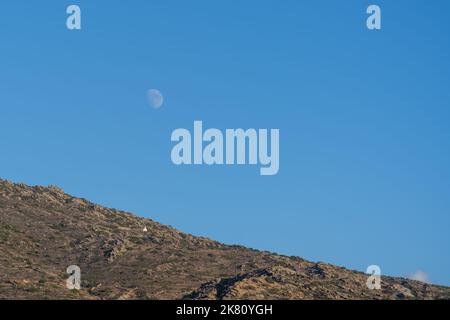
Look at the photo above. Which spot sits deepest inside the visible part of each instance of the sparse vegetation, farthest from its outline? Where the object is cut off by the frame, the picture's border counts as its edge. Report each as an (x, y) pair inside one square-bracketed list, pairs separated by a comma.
[(43, 231)]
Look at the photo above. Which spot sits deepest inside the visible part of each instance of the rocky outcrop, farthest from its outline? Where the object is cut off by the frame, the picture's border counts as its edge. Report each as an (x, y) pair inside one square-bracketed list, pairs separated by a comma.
[(43, 230)]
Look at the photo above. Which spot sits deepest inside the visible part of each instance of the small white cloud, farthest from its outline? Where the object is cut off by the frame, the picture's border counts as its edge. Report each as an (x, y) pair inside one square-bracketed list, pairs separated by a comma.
[(420, 275)]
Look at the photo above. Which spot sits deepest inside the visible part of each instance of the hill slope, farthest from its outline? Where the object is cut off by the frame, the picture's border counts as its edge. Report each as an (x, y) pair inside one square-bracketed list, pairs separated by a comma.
[(44, 230)]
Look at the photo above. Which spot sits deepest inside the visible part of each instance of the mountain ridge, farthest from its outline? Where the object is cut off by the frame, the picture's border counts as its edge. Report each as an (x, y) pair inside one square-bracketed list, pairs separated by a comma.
[(43, 230)]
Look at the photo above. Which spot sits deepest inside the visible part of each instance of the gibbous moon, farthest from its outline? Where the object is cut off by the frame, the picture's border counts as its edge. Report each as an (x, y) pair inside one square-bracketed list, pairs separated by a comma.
[(155, 98)]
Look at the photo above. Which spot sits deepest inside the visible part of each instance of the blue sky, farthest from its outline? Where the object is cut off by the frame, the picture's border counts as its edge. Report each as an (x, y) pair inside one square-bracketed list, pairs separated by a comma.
[(363, 116)]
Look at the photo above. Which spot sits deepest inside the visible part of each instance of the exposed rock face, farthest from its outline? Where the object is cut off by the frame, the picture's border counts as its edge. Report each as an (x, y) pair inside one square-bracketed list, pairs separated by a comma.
[(114, 249), (281, 282), (44, 230)]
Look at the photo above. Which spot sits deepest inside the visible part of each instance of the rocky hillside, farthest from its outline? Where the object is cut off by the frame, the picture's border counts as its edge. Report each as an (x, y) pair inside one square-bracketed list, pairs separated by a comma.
[(44, 230)]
